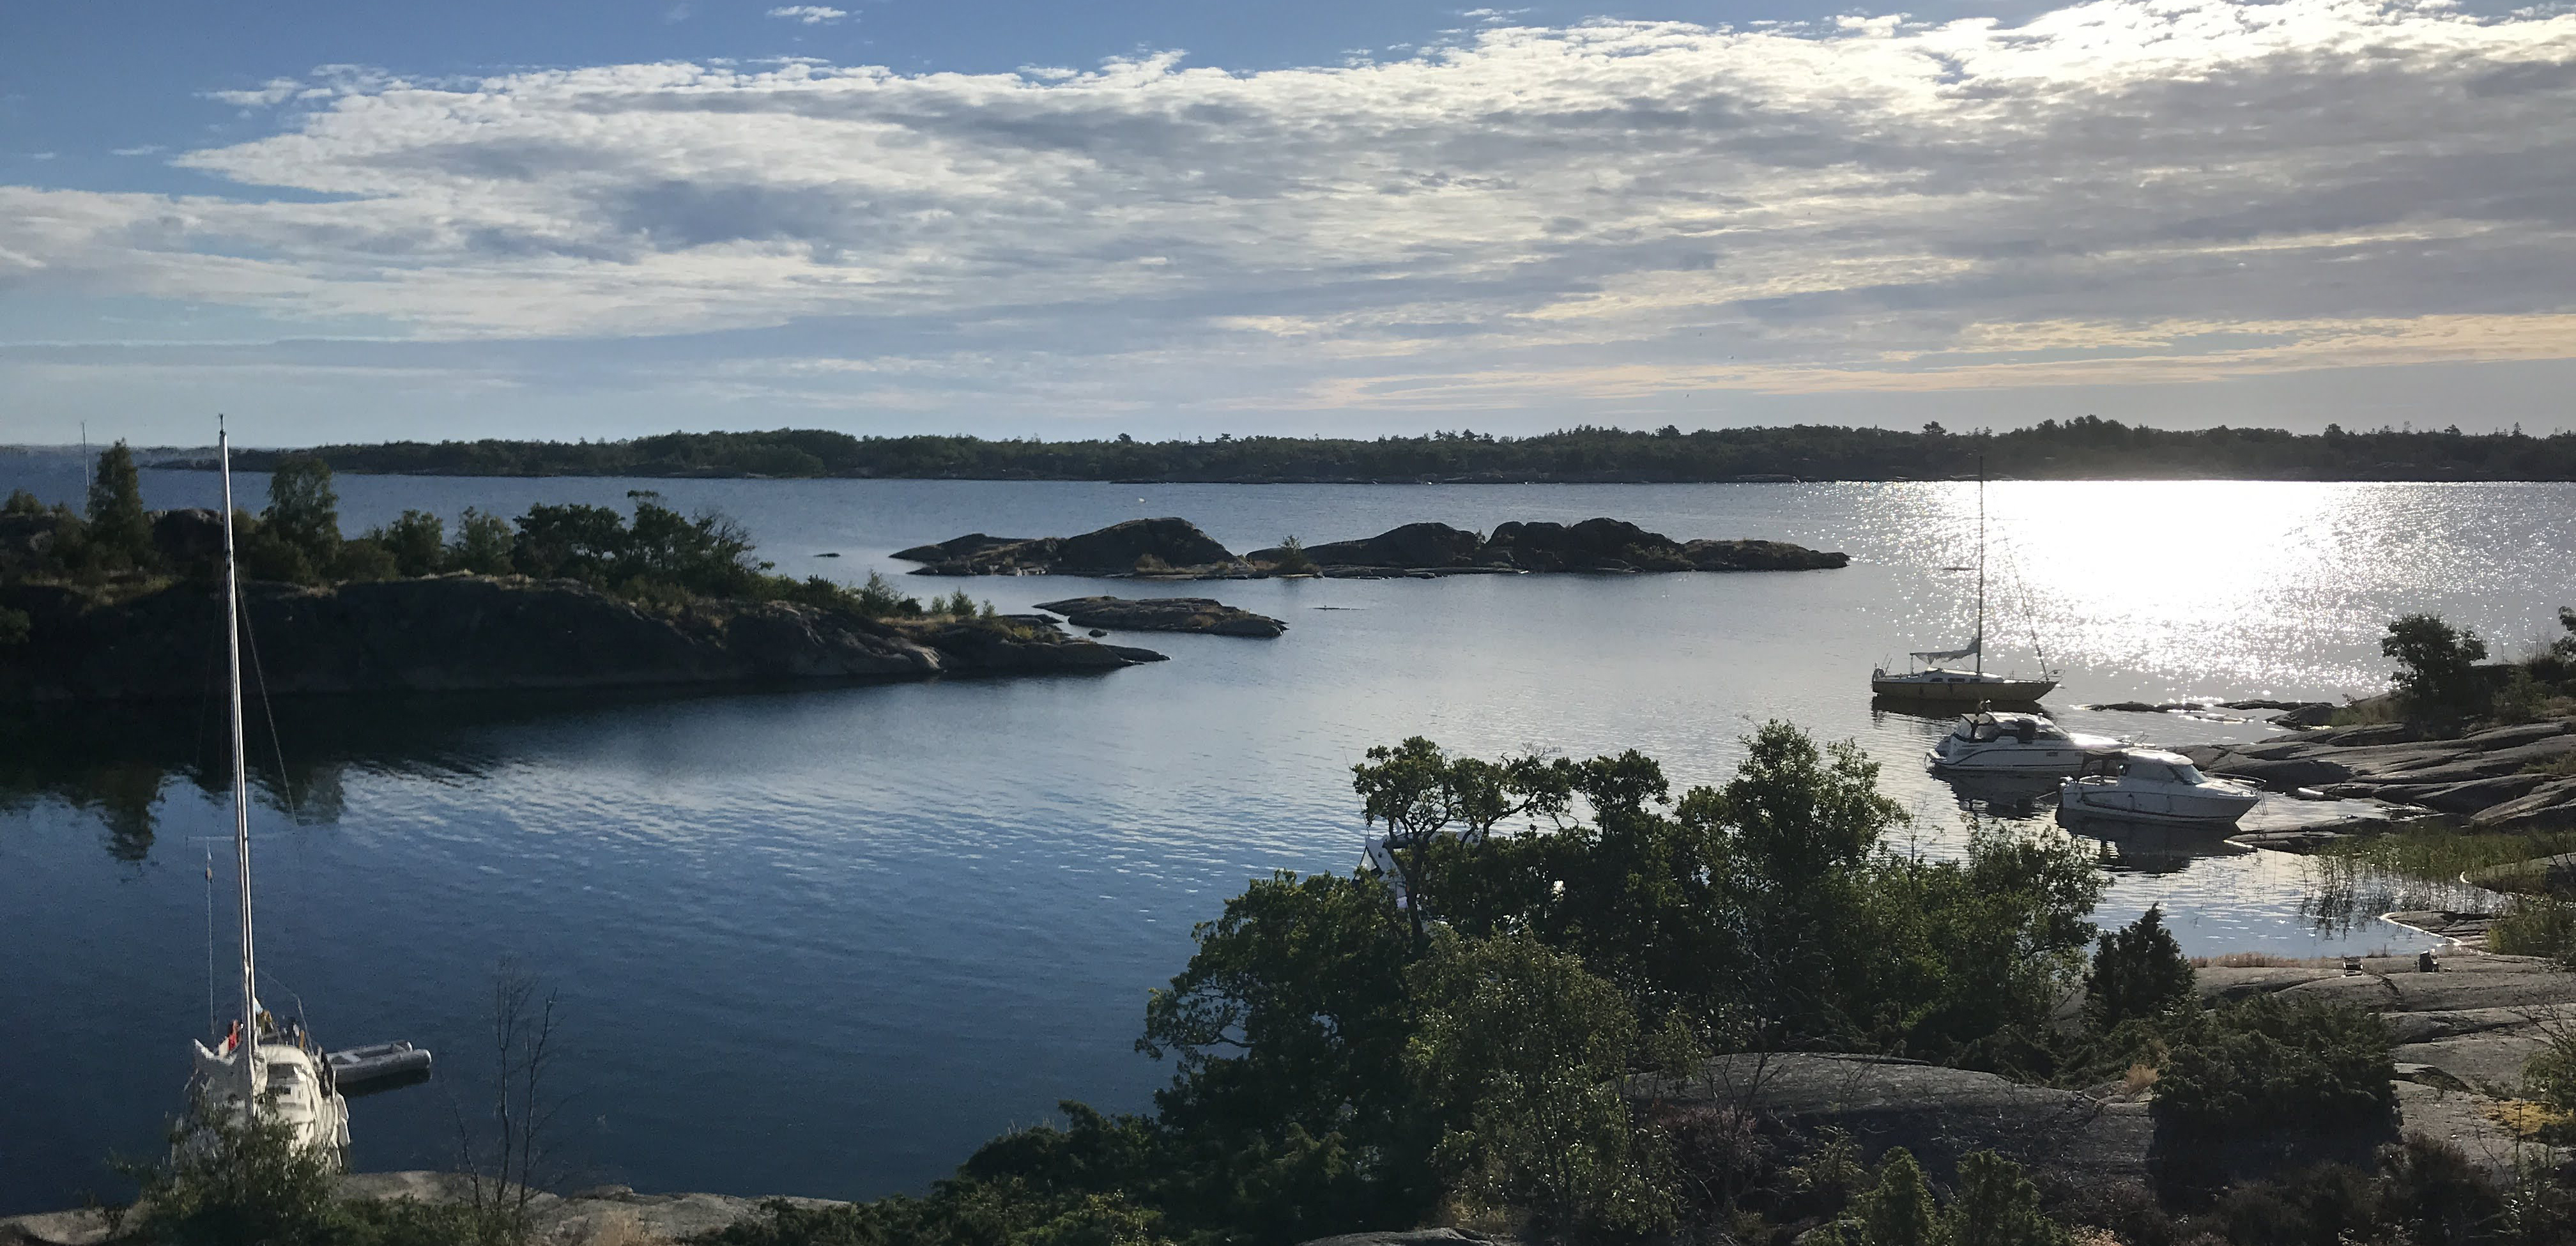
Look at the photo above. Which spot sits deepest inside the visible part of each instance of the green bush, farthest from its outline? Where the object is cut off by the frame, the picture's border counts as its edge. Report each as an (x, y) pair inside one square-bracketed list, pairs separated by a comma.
[(418, 542), (2437, 674), (227, 1181), (483, 543), (2267, 1064), (1293, 559), (304, 510), (2138, 972), (22, 502), (119, 530), (2536, 926), (364, 559), (15, 627)]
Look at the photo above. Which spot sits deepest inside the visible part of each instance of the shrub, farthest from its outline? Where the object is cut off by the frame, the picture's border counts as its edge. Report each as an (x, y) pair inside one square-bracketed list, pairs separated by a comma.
[(2536, 926), (303, 509), (956, 605), (118, 529), (1293, 559), (363, 559), (1997, 1205), (22, 502), (1151, 564), (231, 1181), (1522, 1051), (1899, 1210), (2268, 1063), (418, 542), (15, 627), (2436, 665), (2138, 972), (482, 543)]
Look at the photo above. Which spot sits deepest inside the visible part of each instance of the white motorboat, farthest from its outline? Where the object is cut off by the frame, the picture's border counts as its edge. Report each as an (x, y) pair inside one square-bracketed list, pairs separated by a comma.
[(1939, 682), (2151, 785), (1992, 743), (264, 1069)]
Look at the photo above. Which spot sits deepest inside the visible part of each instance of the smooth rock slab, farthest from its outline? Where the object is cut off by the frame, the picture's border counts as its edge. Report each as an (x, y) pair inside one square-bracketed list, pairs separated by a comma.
[(1165, 614)]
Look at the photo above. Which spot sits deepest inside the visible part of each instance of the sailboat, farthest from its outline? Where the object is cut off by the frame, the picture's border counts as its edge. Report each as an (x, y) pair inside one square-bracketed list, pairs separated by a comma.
[(1940, 681), (265, 1069)]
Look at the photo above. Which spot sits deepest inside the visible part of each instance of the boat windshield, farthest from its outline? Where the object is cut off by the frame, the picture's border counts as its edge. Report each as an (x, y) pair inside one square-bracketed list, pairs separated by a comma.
[(2189, 773)]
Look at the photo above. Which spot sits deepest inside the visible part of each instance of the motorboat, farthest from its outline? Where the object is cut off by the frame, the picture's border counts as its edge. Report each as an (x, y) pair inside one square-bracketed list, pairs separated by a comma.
[(378, 1062), (2006, 743), (264, 1070), (2151, 785), (1941, 682)]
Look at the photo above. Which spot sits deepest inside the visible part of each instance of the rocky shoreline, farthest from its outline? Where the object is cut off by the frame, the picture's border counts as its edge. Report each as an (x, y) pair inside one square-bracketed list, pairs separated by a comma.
[(460, 633), (1172, 548), (2512, 778), (1165, 614)]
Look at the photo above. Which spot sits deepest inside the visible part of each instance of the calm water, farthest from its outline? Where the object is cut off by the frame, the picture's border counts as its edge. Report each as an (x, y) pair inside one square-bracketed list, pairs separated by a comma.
[(824, 942)]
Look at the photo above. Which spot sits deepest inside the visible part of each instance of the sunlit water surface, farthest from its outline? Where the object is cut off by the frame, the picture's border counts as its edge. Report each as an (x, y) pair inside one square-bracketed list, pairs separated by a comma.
[(825, 941)]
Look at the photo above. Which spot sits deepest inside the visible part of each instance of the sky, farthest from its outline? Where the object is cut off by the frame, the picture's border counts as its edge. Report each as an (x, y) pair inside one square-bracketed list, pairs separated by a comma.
[(364, 221)]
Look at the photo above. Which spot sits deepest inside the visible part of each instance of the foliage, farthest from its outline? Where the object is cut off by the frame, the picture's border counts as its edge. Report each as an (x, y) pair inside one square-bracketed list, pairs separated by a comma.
[(417, 540), (2138, 971), (1996, 1206), (1293, 559), (303, 510), (483, 542), (15, 626), (118, 529), (958, 605), (1899, 1210), (363, 559), (1520, 1052), (22, 502), (2536, 926), (2259, 1065), (2436, 666), (228, 1180), (2080, 448)]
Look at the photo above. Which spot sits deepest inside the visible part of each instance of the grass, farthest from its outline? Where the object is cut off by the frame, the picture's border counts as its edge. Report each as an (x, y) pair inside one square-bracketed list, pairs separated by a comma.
[(2562, 766), (2440, 856)]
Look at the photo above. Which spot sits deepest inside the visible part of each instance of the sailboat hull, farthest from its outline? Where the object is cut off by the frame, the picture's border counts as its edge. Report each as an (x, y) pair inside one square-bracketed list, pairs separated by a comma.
[(1960, 687)]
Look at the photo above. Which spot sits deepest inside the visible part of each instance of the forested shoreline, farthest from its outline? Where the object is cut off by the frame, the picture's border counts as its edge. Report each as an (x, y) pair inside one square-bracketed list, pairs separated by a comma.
[(2078, 449)]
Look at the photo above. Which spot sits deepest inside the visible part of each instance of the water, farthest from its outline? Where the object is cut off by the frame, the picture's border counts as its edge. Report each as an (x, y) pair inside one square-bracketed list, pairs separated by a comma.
[(824, 942)]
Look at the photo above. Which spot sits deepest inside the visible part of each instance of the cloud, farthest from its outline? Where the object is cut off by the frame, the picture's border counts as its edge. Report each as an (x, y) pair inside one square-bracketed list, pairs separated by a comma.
[(2123, 190), (148, 149), (269, 95), (810, 14)]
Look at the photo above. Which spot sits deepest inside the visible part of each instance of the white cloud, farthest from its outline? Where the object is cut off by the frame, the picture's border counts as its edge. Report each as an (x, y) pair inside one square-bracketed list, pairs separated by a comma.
[(148, 149), (810, 14), (2124, 189), (270, 94)]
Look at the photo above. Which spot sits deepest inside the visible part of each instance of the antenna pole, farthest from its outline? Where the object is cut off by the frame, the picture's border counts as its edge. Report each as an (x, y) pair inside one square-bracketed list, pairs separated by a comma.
[(241, 789), (1981, 567)]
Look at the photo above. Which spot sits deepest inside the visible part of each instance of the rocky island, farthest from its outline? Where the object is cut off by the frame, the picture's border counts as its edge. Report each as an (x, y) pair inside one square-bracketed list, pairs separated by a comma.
[(1165, 614), (1172, 548), (121, 604)]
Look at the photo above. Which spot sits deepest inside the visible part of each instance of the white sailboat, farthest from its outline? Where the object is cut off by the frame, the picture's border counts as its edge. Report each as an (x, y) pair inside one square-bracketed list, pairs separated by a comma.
[(1941, 682), (265, 1065)]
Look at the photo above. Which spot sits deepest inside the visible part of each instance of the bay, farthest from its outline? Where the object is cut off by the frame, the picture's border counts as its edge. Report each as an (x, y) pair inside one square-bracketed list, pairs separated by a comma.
[(826, 941)]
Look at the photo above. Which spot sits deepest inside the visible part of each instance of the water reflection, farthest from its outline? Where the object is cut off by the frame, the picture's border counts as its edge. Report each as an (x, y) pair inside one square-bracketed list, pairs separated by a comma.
[(115, 763), (2147, 847)]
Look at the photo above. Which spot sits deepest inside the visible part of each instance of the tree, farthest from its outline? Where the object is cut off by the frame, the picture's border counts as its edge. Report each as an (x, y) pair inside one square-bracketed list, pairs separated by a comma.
[(304, 510), (1997, 1205), (1521, 1052), (2138, 972), (2436, 665), (1293, 559), (482, 543), (118, 529), (230, 1180), (1899, 1210), (1425, 797), (418, 542)]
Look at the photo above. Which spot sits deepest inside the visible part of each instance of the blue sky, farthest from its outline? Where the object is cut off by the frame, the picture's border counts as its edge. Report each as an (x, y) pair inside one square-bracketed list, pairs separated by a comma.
[(352, 222)]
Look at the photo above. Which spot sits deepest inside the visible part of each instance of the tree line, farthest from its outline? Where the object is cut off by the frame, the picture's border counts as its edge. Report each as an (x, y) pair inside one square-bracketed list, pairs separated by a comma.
[(2086, 447)]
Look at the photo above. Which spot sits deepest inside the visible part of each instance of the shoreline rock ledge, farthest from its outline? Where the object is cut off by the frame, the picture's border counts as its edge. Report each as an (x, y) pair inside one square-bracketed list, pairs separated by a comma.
[(468, 633), (1172, 548), (1165, 614)]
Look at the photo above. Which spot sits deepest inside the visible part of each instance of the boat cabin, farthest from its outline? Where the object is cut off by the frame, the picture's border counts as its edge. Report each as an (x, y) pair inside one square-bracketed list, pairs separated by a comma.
[(1986, 728), (2151, 765)]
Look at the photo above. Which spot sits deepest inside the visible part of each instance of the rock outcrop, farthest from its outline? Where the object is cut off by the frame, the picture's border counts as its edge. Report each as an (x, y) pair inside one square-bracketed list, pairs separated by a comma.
[(1599, 545), (1136, 545), (2503, 779), (1165, 614), (469, 633), (1176, 549)]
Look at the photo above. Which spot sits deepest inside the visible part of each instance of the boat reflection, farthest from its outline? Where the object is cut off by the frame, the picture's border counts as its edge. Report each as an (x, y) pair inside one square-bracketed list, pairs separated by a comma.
[(2129, 847), (1944, 713), (2000, 795)]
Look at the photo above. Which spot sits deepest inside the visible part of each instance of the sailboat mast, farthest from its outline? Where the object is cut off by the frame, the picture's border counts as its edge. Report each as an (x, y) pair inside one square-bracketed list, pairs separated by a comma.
[(241, 788), (1981, 568)]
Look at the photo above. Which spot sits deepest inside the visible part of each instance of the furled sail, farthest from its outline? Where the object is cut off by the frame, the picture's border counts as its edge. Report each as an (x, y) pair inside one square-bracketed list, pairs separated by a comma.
[(1954, 654)]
